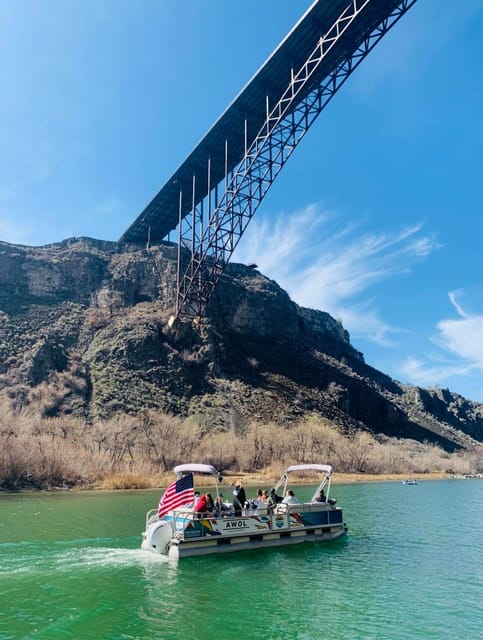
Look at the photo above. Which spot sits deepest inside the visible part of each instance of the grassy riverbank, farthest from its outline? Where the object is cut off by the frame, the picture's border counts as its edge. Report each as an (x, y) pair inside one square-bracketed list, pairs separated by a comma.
[(264, 480)]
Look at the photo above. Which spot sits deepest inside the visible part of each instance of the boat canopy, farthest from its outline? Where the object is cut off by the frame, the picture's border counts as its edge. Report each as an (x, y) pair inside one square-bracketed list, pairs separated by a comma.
[(196, 467), (324, 468)]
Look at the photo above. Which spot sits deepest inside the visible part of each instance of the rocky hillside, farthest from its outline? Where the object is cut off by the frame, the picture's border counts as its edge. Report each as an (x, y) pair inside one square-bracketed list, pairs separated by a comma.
[(83, 330)]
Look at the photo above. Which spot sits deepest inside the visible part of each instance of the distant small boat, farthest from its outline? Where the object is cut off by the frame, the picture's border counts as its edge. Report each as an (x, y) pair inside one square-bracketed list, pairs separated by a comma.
[(409, 482)]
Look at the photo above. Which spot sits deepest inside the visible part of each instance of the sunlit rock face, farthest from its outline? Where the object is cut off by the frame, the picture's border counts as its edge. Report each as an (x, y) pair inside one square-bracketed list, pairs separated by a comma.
[(84, 331)]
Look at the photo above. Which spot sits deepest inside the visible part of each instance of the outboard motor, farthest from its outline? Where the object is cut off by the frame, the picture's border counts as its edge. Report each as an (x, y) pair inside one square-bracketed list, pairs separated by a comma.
[(157, 536)]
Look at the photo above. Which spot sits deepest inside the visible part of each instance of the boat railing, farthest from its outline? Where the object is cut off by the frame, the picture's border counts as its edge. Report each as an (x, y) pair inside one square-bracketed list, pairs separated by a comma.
[(185, 514), (296, 507), (183, 519), (182, 516), (151, 516)]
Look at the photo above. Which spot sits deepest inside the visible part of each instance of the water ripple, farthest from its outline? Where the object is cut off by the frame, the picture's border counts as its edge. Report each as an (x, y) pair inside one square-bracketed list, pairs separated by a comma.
[(409, 569)]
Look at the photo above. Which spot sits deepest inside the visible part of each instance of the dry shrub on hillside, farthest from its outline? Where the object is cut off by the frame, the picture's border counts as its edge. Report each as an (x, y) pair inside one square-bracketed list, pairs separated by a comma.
[(50, 396), (467, 461), (260, 445), (97, 319), (312, 440), (131, 450), (33, 453), (167, 439), (221, 449), (316, 440), (357, 452), (388, 458), (31, 458), (66, 427)]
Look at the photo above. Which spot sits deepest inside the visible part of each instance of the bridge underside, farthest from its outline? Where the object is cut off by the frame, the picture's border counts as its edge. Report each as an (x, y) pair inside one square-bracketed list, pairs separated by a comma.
[(215, 192)]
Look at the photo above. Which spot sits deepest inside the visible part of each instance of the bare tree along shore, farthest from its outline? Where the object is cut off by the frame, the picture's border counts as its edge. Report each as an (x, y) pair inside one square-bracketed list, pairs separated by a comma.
[(136, 451)]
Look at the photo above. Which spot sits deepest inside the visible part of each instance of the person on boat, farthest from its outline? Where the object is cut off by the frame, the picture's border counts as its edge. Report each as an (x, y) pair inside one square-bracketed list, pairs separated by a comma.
[(252, 503), (321, 496), (239, 497), (261, 502), (220, 508), (273, 498), (290, 498), (204, 505), (210, 505)]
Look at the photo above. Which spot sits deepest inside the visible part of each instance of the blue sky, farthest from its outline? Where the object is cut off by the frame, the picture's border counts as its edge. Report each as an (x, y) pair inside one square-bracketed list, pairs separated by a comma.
[(377, 217)]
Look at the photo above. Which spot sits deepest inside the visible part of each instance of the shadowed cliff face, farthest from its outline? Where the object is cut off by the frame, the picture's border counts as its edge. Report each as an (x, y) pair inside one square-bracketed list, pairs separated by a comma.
[(83, 330)]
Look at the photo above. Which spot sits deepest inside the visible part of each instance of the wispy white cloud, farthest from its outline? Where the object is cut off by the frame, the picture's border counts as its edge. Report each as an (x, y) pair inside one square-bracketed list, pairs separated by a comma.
[(432, 371), (327, 264), (452, 295), (460, 349), (463, 336)]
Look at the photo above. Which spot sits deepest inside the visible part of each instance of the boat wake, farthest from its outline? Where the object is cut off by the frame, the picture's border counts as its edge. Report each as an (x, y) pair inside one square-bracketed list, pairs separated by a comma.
[(94, 557), (38, 559)]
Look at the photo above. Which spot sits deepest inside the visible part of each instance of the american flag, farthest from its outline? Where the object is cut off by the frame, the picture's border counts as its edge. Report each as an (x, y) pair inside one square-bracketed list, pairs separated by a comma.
[(177, 494)]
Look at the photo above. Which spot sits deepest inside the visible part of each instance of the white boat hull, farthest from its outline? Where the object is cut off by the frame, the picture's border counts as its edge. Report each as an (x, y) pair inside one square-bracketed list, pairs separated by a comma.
[(183, 534)]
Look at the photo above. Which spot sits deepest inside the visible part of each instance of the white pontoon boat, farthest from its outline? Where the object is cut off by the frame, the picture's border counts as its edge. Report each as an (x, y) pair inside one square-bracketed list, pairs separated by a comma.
[(182, 532)]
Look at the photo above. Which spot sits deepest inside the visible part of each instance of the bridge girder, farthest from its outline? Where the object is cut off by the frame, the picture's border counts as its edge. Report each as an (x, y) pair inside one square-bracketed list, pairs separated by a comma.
[(213, 196), (285, 125)]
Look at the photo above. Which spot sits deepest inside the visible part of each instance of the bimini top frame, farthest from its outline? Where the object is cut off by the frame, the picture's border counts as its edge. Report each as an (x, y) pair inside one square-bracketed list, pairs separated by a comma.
[(324, 483)]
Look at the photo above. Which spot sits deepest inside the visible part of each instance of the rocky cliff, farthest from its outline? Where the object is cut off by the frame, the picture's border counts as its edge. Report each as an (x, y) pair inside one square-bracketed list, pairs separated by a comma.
[(83, 330)]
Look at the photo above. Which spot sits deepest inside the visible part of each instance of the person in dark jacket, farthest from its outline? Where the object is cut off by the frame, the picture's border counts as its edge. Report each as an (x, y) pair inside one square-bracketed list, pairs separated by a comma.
[(239, 497), (221, 508), (210, 505), (273, 498)]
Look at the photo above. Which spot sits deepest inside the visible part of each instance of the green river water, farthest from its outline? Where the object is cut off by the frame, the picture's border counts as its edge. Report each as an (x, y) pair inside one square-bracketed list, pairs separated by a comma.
[(411, 566)]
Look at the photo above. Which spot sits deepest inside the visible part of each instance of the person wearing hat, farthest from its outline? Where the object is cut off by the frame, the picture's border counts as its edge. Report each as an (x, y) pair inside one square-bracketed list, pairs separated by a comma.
[(239, 498)]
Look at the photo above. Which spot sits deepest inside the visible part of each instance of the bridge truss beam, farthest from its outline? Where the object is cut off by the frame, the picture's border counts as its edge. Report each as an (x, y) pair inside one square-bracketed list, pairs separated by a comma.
[(212, 230)]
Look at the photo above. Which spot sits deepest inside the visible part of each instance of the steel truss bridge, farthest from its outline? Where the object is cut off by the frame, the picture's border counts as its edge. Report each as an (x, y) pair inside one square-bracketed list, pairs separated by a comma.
[(215, 192)]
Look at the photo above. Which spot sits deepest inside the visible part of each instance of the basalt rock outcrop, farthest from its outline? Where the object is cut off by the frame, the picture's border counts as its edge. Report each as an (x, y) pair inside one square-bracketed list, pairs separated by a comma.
[(84, 331)]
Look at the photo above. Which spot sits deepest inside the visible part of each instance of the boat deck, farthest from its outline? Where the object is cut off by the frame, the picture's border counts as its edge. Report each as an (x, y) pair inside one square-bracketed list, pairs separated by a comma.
[(282, 525)]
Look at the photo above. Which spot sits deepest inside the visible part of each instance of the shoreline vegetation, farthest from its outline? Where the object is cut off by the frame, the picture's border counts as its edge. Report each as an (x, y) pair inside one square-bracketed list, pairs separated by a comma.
[(265, 480), (139, 452), (130, 482)]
